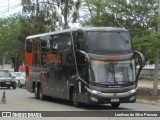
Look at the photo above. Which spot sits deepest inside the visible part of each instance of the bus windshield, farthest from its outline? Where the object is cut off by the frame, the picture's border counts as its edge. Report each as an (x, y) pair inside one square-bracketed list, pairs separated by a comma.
[(112, 41), (115, 72)]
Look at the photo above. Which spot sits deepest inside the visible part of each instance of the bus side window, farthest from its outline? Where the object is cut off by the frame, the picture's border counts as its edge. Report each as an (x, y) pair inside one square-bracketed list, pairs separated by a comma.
[(61, 42), (53, 43), (43, 46), (29, 46), (45, 43)]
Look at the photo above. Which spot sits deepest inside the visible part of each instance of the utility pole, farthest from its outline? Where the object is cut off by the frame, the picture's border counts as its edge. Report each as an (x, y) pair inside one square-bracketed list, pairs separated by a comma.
[(156, 76), (37, 8), (155, 83), (8, 5)]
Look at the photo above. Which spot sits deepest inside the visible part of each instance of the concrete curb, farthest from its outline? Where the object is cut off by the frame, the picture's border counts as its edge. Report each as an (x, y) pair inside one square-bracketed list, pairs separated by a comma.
[(148, 102)]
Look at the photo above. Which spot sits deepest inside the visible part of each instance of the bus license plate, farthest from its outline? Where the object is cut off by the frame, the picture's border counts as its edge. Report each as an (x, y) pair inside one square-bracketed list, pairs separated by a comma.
[(114, 100)]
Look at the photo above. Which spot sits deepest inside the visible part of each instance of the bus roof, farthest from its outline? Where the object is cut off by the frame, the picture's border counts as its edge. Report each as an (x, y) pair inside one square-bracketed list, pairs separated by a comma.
[(78, 29)]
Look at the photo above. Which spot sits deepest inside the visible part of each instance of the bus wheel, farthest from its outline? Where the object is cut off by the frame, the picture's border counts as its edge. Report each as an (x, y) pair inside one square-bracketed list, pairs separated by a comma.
[(75, 99), (41, 96), (36, 92), (115, 105)]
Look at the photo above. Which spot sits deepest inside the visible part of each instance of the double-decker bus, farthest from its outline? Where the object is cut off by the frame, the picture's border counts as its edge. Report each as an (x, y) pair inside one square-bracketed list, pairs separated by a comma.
[(94, 65)]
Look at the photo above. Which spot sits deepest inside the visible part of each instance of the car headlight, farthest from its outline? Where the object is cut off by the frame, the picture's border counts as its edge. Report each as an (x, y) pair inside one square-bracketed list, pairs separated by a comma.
[(92, 91)]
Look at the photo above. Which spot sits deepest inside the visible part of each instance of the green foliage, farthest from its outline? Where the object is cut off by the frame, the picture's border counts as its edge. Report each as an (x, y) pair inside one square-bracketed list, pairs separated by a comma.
[(10, 29), (10, 44), (140, 17), (56, 14), (13, 32), (145, 44)]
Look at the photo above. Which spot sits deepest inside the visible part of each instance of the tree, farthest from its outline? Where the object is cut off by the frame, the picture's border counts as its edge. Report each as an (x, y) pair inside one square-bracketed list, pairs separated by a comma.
[(66, 10), (56, 14), (11, 46)]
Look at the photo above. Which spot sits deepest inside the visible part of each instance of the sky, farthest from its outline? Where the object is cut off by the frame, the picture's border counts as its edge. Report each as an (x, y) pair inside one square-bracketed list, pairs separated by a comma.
[(9, 7)]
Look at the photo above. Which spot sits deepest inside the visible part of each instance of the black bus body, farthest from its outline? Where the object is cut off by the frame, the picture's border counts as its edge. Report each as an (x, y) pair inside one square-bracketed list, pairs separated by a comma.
[(94, 65)]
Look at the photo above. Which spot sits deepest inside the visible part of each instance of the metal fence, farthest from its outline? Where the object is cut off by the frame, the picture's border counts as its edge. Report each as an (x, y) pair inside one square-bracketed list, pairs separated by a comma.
[(148, 73)]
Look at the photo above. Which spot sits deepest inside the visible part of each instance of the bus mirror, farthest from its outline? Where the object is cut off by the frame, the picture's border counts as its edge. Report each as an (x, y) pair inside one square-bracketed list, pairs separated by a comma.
[(86, 56), (140, 59)]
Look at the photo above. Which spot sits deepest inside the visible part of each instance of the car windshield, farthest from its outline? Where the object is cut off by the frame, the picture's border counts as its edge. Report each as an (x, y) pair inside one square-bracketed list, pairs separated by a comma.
[(105, 41), (4, 74), (115, 72)]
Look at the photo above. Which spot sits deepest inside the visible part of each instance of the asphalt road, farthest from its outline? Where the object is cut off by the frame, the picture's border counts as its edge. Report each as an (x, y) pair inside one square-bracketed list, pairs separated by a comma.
[(22, 100)]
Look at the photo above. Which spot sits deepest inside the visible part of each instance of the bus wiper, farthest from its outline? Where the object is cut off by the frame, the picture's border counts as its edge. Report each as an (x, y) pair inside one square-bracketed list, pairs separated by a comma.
[(104, 83)]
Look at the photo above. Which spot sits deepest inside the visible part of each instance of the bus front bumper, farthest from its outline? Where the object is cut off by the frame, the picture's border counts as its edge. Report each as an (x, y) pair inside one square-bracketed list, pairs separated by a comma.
[(125, 97)]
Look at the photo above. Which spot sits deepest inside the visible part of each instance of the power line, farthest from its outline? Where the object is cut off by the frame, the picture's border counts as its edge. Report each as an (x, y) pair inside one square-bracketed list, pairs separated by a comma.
[(11, 6)]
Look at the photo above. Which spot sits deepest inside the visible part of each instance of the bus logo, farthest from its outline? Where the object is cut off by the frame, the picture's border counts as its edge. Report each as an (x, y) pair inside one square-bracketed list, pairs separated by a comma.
[(51, 58)]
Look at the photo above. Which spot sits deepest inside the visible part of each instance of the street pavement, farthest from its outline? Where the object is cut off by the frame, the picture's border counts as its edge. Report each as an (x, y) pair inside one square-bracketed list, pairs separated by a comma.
[(148, 84), (22, 100)]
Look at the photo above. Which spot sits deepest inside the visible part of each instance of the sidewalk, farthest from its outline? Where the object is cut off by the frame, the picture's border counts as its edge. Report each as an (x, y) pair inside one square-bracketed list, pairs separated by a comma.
[(148, 84), (142, 85), (148, 102)]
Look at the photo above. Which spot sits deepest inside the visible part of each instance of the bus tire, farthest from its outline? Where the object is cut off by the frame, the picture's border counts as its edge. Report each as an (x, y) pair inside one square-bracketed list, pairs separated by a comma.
[(36, 92), (115, 105), (41, 96), (75, 99)]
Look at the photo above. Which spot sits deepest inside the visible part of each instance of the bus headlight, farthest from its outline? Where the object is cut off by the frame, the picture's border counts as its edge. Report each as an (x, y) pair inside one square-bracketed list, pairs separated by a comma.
[(133, 90), (92, 91)]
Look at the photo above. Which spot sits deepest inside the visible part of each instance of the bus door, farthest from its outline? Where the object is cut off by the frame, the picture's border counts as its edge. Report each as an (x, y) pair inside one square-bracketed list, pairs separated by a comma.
[(45, 65), (60, 46), (83, 73)]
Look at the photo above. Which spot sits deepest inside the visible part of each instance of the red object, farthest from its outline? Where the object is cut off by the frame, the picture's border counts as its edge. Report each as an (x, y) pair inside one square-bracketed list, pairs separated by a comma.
[(28, 62), (28, 59), (21, 69)]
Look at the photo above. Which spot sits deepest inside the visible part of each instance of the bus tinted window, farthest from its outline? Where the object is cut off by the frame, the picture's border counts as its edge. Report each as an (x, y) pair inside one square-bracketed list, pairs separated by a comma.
[(78, 40), (45, 43), (109, 41), (60, 42), (28, 46)]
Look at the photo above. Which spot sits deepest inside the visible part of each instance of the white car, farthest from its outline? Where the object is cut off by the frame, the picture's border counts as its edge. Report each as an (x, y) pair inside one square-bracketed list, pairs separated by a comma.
[(19, 78)]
